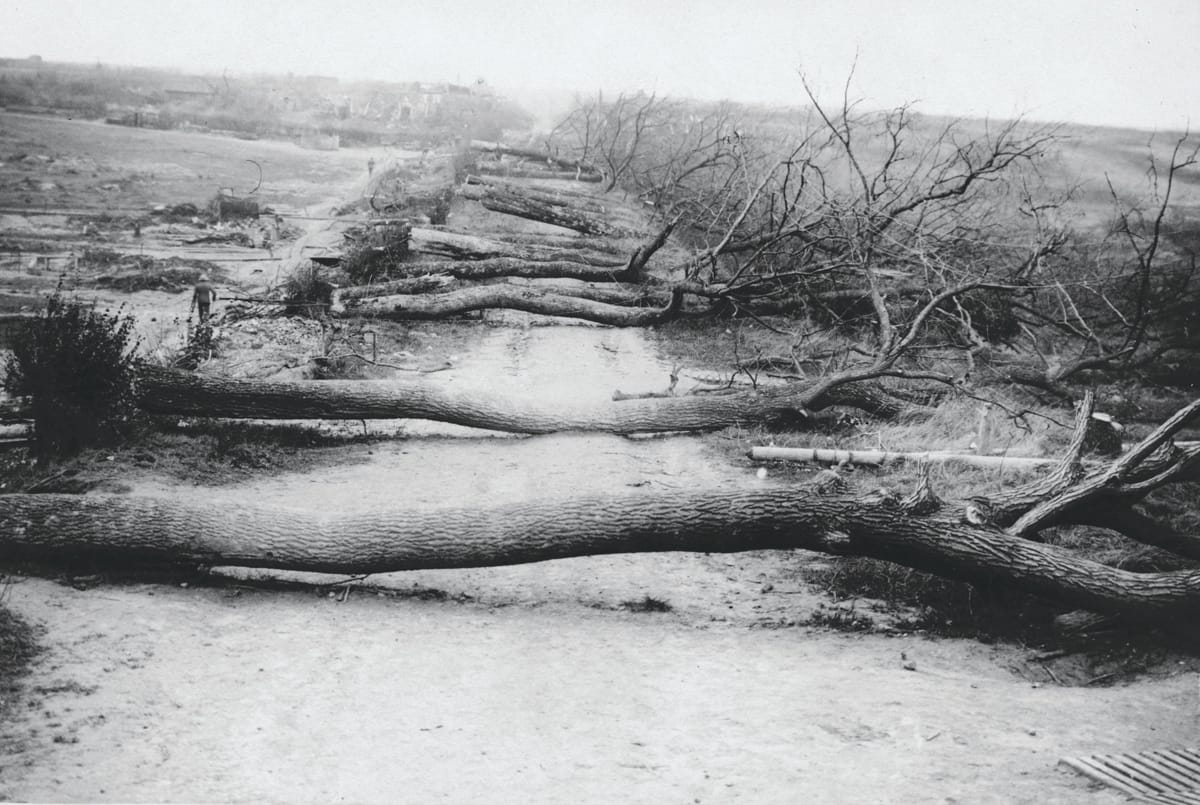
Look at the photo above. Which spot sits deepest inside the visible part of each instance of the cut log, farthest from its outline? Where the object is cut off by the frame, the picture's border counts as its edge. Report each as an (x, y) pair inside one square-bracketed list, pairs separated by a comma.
[(570, 241), (611, 293), (877, 458), (477, 187), (515, 267), (528, 153), (127, 528), (529, 207), (512, 297), (458, 246), (510, 172), (163, 391), (407, 285)]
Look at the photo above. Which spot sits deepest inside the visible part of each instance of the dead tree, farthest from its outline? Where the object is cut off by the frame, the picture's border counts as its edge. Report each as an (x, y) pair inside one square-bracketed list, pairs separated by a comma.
[(530, 299), (510, 172), (1119, 306), (162, 391), (979, 540)]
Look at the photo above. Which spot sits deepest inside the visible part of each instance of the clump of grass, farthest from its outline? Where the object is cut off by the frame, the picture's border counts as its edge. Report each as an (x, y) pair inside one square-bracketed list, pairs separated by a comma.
[(18, 644), (646, 604), (841, 619), (939, 605), (955, 424)]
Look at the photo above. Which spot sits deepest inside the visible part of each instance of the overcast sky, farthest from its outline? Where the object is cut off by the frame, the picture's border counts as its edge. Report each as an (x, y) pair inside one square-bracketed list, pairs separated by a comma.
[(1112, 62)]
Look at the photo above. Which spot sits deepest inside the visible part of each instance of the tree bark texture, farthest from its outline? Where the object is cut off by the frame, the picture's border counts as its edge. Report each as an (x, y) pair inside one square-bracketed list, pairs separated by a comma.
[(529, 153), (458, 246), (717, 521), (477, 187), (612, 293), (511, 172), (532, 209), (164, 391), (511, 297), (515, 267)]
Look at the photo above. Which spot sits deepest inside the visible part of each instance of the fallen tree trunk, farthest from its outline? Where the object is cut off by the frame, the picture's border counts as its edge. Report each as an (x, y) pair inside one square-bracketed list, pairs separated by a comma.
[(510, 172), (611, 293), (576, 199), (619, 216), (408, 285), (514, 267), (528, 153), (712, 521), (512, 297), (570, 241), (458, 246), (477, 186), (533, 209), (163, 391)]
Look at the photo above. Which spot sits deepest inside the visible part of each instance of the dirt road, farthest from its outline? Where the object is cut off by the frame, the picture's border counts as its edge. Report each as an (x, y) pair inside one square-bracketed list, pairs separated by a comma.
[(152, 693)]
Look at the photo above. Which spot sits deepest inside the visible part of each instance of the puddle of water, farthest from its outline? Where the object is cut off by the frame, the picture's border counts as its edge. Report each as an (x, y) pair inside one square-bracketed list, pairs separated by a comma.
[(571, 365), (441, 465), (564, 367)]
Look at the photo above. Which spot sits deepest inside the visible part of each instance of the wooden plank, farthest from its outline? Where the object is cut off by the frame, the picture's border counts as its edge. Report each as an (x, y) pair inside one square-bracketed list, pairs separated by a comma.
[(1090, 767), (1177, 798), (1166, 776), (1146, 778), (1185, 759), (1174, 779)]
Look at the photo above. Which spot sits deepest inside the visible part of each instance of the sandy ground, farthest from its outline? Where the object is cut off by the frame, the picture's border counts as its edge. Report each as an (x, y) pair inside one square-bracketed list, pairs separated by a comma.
[(153, 693)]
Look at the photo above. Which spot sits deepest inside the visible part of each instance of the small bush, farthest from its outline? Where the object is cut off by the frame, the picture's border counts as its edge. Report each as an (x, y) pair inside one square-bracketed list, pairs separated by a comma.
[(307, 292), (646, 604), (78, 367), (377, 254), (18, 646), (200, 347)]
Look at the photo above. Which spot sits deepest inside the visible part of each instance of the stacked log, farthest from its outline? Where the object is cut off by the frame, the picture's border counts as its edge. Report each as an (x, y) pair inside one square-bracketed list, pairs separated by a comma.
[(463, 247), (501, 149)]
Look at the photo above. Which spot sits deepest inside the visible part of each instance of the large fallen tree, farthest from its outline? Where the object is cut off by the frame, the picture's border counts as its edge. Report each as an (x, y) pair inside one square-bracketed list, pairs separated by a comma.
[(508, 171), (546, 209), (612, 293), (458, 246), (526, 298), (558, 197), (984, 541), (528, 153), (164, 391), (507, 267)]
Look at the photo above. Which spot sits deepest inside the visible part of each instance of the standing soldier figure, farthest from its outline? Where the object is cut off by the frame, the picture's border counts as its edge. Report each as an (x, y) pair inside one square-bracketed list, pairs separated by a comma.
[(370, 166), (202, 298)]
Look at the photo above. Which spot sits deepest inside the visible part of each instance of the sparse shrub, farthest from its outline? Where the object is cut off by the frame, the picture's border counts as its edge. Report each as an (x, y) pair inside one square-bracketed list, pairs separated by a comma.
[(646, 604), (308, 292), (18, 644), (200, 347), (78, 366), (376, 254), (842, 619)]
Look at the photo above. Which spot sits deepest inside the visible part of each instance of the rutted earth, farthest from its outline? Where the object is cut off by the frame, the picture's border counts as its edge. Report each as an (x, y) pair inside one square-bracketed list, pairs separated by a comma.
[(539, 682)]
